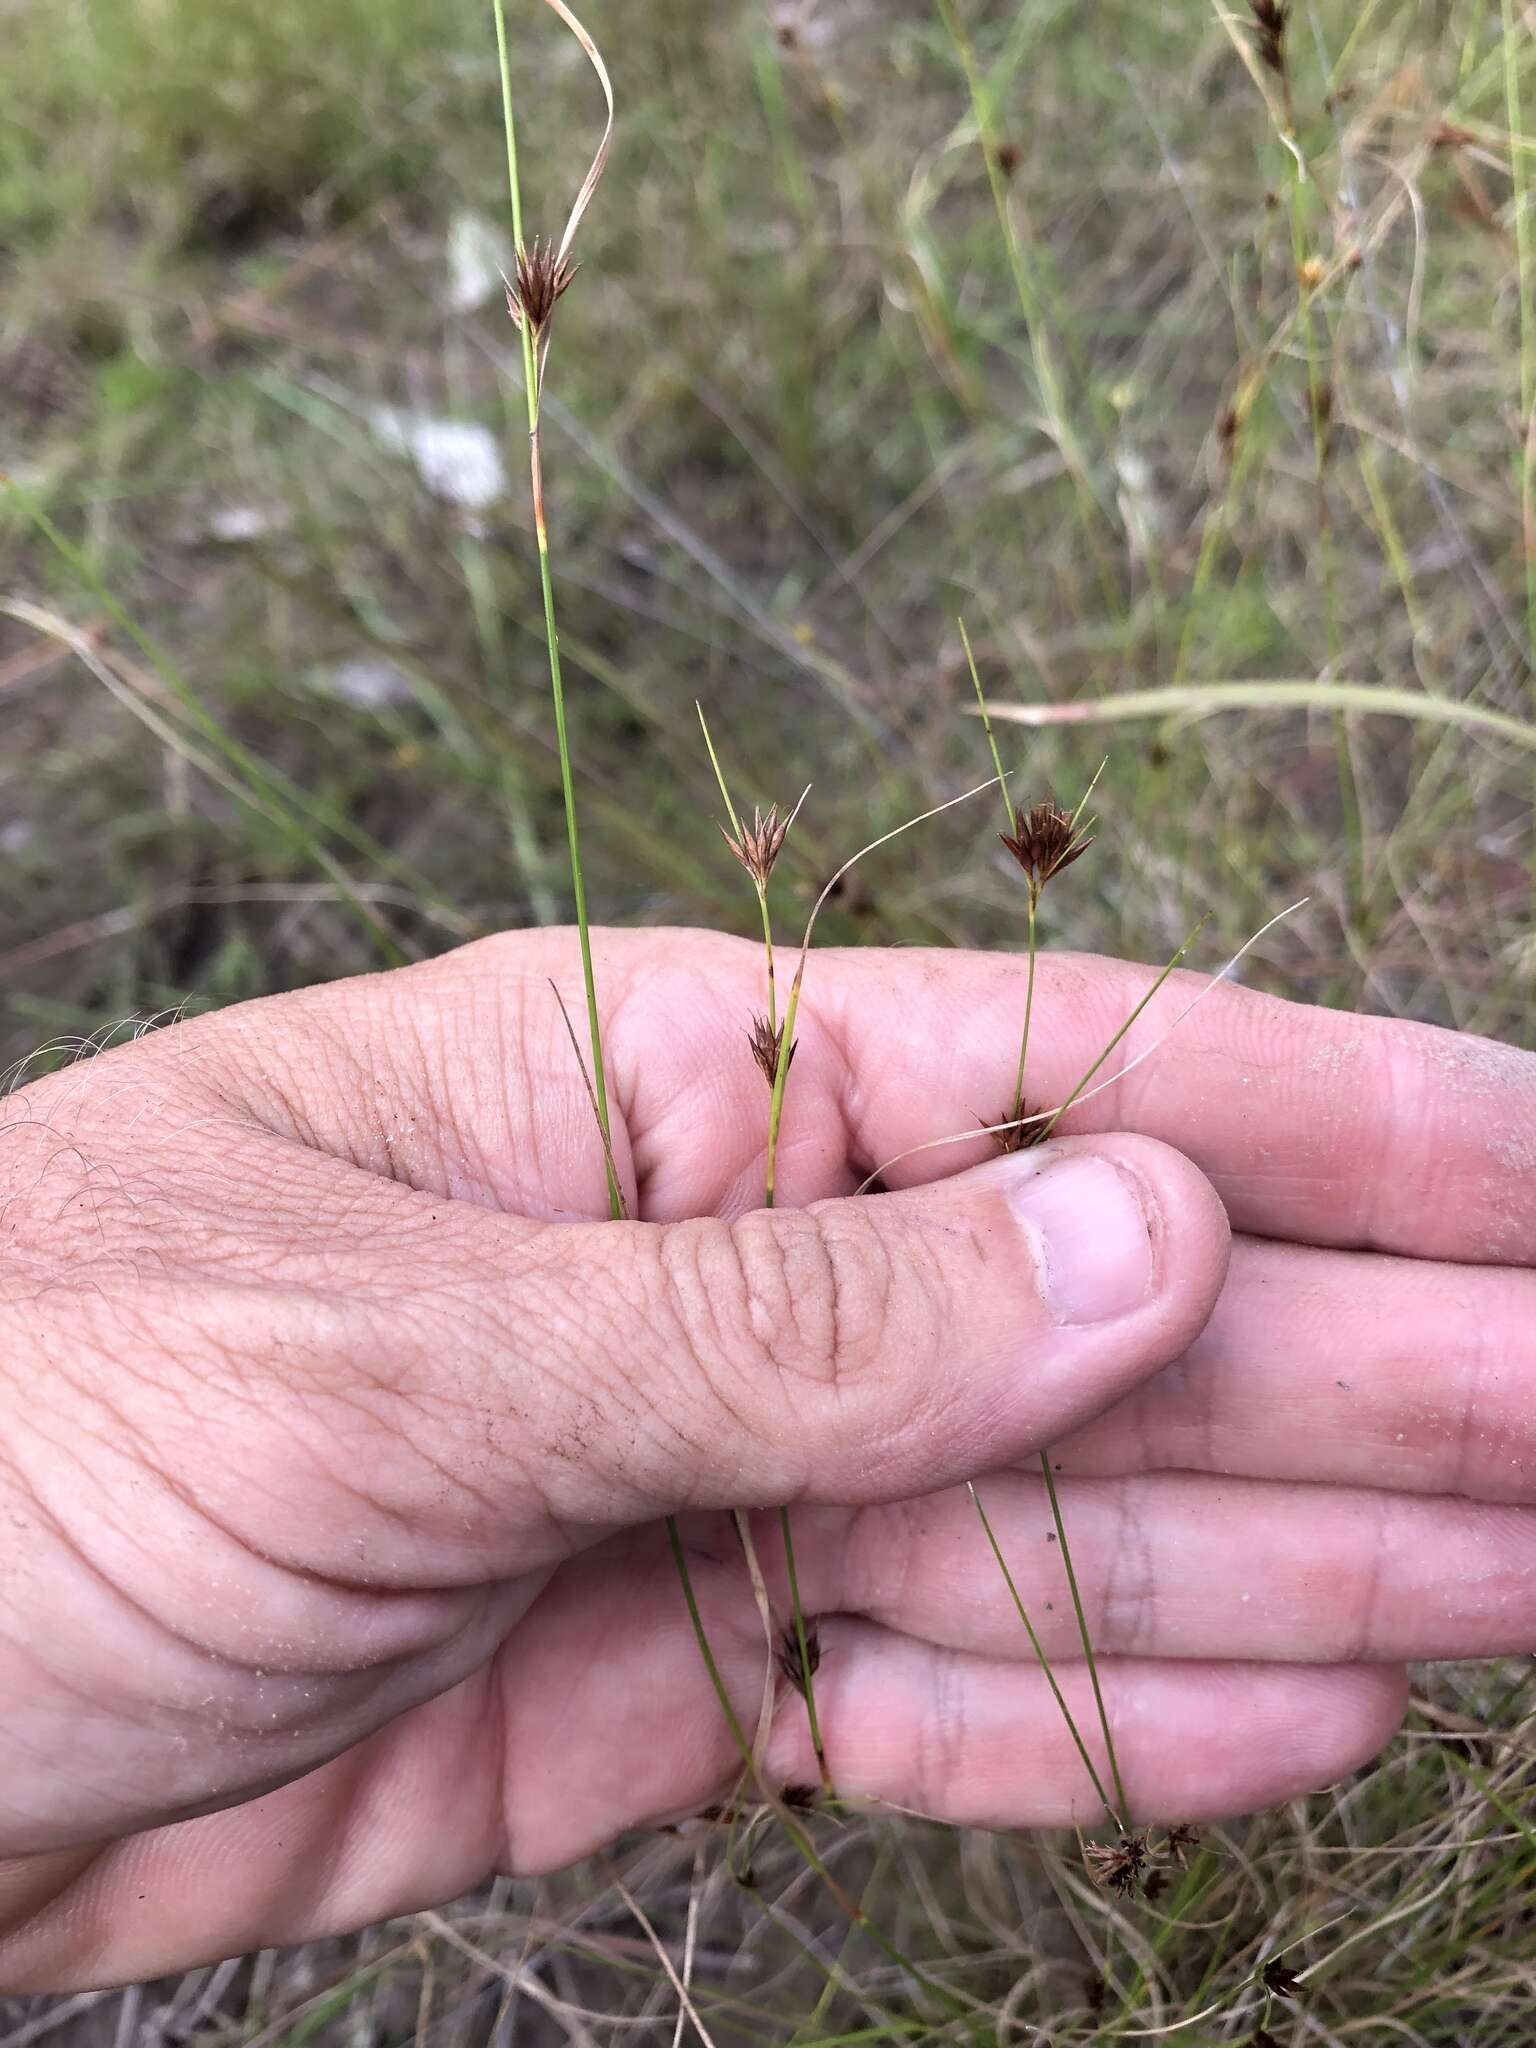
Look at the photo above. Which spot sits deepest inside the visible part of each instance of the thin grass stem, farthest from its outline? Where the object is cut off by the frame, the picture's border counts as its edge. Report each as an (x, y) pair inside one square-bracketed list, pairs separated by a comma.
[(1513, 35), (1044, 1662), (807, 1686), (795, 1832), (1121, 1810), (531, 382)]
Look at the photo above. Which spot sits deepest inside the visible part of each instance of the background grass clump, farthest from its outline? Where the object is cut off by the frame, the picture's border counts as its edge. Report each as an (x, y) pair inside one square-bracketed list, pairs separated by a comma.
[(1167, 358)]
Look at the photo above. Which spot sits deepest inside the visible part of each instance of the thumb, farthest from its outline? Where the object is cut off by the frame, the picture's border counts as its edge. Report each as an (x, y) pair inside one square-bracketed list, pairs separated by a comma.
[(883, 1346)]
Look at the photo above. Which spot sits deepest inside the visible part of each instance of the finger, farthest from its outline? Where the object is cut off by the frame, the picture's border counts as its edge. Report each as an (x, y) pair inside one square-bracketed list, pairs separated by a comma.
[(859, 1349), (982, 1743), (1313, 1125), (455, 1395), (510, 1771), (963, 1737), (1343, 1367), (1179, 1565), (458, 1077), (407, 1818)]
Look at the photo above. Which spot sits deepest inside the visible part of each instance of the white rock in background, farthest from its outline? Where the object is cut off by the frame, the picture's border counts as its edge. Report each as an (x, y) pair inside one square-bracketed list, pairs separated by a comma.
[(456, 459), (479, 258), (367, 684), (232, 525)]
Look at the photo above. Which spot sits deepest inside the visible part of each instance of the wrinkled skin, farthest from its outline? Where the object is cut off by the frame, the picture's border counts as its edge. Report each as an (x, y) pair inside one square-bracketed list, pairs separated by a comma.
[(335, 1441)]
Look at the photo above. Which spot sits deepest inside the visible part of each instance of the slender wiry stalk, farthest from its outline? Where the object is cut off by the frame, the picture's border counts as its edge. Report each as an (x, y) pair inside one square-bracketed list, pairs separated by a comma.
[(551, 636), (1044, 1662), (1121, 1810), (796, 1833), (701, 1637), (1118, 1811), (1045, 1461), (1002, 784), (1032, 308), (1067, 1101), (1512, 38), (807, 1685), (1319, 405)]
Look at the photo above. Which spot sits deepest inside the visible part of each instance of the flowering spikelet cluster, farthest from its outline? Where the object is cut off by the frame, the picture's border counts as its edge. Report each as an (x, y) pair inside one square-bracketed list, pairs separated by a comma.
[(1043, 842), (759, 844), (1118, 1866), (796, 1670), (541, 276), (766, 1044), (1135, 1863), (1279, 1979), (1271, 18)]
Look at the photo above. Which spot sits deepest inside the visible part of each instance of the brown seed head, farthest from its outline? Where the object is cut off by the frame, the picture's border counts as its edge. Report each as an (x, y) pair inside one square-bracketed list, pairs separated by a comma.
[(541, 277), (759, 845), (1271, 18), (1043, 842), (1018, 1132), (788, 1659), (1118, 1866), (1009, 157), (1181, 1839), (1280, 1979), (766, 1043), (800, 1798)]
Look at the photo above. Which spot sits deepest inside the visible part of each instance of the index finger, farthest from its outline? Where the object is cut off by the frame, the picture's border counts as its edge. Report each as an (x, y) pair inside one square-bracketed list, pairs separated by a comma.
[(1316, 1126)]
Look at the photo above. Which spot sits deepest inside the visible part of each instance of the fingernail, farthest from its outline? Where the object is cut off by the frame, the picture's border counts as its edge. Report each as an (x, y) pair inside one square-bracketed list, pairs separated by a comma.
[(1093, 1238)]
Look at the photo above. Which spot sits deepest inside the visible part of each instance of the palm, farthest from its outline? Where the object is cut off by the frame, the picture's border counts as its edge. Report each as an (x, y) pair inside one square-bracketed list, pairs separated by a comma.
[(547, 1690)]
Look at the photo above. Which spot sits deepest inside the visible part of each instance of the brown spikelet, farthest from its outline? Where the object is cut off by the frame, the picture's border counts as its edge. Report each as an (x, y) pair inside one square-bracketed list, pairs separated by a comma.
[(766, 1044), (1009, 157), (1180, 1840), (1018, 1132), (1118, 1866), (799, 1674), (1322, 419), (760, 843), (1279, 1979), (541, 277), (800, 1798), (1043, 842), (1271, 19)]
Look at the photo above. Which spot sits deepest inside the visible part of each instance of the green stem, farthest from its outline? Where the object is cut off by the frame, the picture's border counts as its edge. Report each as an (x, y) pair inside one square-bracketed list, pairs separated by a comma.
[(795, 1832), (796, 1610), (1061, 1109), (551, 635), (803, 1645), (1029, 1009), (1032, 307), (1044, 1661), (1121, 1811), (1511, 41)]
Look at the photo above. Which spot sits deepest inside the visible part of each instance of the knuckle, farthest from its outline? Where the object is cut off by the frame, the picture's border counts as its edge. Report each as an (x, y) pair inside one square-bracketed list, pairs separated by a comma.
[(817, 1289), (780, 1310)]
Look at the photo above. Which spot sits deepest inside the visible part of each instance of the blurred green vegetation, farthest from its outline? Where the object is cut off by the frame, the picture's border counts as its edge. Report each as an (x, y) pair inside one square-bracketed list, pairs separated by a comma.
[(808, 403), (1156, 395)]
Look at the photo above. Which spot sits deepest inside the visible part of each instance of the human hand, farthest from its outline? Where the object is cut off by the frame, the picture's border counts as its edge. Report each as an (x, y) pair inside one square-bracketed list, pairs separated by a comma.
[(336, 1446)]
